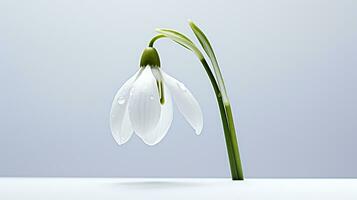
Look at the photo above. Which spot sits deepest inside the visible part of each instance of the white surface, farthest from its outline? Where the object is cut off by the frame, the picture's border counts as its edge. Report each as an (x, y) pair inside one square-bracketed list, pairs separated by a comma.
[(111, 188)]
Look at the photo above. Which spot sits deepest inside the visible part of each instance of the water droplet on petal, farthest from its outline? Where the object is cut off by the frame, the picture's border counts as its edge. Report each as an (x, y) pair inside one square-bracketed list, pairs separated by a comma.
[(131, 92), (151, 97), (182, 87), (121, 100)]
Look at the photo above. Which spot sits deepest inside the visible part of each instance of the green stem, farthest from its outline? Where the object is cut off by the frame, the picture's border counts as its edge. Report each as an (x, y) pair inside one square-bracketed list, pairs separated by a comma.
[(234, 140), (152, 41), (226, 117), (228, 128)]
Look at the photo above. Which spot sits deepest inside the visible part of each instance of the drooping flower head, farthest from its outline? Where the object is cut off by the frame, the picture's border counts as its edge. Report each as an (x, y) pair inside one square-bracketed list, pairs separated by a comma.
[(144, 103)]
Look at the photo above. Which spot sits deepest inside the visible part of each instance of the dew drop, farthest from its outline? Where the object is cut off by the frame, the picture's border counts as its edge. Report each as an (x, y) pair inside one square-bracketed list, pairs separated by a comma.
[(182, 87), (121, 100), (151, 97)]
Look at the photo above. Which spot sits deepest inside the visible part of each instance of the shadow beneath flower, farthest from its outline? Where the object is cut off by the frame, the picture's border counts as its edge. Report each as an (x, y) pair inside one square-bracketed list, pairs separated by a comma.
[(159, 184)]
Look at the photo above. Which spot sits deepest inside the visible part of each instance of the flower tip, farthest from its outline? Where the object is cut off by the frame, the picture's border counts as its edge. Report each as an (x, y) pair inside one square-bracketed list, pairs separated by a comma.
[(150, 143), (198, 131), (119, 142)]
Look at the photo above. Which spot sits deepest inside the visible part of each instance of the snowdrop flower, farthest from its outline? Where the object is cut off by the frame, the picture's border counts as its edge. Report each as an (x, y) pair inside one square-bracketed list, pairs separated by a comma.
[(144, 103)]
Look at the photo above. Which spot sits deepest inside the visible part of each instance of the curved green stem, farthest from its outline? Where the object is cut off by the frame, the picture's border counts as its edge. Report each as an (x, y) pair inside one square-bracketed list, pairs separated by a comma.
[(153, 40), (228, 128), (223, 104)]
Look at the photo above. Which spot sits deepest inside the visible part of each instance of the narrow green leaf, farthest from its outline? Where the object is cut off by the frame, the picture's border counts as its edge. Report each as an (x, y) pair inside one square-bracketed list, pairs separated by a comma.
[(181, 39), (226, 112), (178, 34), (210, 53)]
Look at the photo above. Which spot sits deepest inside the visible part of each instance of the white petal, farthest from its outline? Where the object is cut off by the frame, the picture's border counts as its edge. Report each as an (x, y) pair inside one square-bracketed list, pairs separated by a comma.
[(186, 103), (157, 73), (119, 117), (164, 124), (144, 104)]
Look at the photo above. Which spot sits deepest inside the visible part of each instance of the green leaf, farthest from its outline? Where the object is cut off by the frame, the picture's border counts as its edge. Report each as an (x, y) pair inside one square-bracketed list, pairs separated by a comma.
[(210, 53), (181, 39)]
